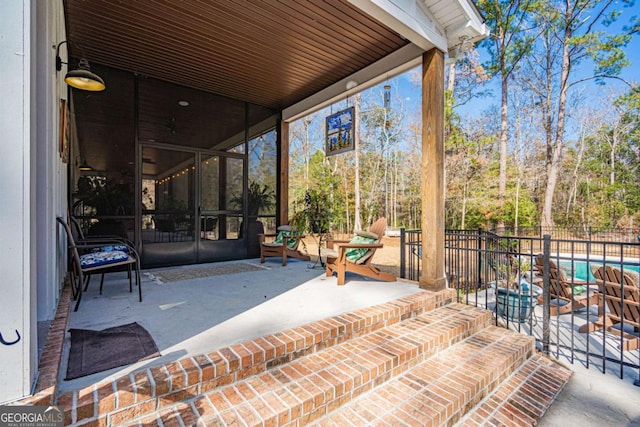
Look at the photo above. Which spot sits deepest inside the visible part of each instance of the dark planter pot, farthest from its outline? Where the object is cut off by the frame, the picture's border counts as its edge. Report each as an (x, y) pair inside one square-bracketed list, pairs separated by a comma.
[(515, 304), (253, 244)]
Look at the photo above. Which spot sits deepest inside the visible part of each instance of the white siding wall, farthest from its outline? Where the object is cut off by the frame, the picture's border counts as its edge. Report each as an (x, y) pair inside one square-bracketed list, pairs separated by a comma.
[(16, 315), (32, 185)]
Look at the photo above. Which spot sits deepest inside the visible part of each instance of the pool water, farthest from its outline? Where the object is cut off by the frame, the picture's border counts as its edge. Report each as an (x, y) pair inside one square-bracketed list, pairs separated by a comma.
[(582, 269)]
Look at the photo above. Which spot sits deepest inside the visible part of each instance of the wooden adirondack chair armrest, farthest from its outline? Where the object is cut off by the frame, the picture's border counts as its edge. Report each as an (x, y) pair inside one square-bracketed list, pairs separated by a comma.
[(344, 246), (286, 239), (262, 236), (331, 242), (296, 237), (348, 245)]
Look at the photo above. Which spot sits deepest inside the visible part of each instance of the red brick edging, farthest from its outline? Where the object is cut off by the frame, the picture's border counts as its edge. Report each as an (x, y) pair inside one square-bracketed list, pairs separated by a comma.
[(524, 398), (162, 386)]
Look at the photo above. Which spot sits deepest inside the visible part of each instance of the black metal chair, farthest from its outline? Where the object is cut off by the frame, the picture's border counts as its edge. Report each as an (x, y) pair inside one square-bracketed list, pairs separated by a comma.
[(81, 238), (98, 257)]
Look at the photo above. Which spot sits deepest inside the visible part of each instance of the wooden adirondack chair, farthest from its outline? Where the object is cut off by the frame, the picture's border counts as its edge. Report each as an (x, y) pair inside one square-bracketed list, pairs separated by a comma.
[(621, 296), (562, 290), (356, 254), (284, 244)]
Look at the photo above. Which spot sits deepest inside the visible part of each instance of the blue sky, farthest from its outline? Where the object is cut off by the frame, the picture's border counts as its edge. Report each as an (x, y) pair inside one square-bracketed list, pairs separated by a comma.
[(631, 74), (408, 93)]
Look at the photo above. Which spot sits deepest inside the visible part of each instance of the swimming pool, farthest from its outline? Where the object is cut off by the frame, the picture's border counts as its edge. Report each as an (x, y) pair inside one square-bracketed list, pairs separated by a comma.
[(582, 268)]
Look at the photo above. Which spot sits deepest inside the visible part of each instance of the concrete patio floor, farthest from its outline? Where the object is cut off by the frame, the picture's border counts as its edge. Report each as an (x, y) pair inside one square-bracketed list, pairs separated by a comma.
[(203, 314)]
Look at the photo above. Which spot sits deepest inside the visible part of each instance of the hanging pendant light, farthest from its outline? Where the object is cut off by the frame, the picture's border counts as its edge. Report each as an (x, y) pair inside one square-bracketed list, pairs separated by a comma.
[(84, 166), (82, 77)]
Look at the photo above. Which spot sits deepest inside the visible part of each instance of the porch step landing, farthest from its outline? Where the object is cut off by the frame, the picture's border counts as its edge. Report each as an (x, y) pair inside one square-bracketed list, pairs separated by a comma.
[(440, 366), (307, 389)]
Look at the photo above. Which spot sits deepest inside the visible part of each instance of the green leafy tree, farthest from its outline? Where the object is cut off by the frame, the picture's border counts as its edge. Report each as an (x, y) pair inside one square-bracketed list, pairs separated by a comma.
[(509, 42)]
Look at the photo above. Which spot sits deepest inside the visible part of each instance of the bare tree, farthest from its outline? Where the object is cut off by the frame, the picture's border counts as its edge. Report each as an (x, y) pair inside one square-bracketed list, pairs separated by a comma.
[(572, 25)]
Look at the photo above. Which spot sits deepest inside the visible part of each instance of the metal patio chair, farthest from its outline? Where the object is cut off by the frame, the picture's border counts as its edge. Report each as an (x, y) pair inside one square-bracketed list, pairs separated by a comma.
[(99, 257)]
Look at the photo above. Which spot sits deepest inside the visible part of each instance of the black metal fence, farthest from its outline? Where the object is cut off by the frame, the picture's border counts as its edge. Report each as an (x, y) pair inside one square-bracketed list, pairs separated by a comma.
[(554, 294), (603, 234)]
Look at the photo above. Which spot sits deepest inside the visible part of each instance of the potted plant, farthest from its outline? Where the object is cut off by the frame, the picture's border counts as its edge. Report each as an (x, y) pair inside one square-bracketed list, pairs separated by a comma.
[(110, 198), (314, 216), (515, 296), (260, 198), (107, 199)]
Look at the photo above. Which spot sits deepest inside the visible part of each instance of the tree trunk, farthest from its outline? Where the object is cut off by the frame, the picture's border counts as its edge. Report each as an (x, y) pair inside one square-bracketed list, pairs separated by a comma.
[(552, 178), (612, 158), (517, 207), (357, 223), (346, 199), (502, 180), (465, 189), (451, 77), (574, 189), (306, 150)]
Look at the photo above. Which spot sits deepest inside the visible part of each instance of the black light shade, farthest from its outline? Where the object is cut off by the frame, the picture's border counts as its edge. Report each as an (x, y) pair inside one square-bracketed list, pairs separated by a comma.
[(84, 166), (84, 79)]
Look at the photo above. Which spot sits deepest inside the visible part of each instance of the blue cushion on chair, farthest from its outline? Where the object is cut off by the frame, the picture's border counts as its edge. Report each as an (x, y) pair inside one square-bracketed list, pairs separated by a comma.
[(96, 259)]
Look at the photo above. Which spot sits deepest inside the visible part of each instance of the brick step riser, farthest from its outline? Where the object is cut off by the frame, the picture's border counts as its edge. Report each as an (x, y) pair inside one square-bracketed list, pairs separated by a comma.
[(444, 388), (523, 398), (148, 390), (304, 390)]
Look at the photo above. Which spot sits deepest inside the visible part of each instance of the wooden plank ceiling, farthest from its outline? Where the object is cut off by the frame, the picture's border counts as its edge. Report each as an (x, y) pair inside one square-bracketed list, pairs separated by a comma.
[(272, 53)]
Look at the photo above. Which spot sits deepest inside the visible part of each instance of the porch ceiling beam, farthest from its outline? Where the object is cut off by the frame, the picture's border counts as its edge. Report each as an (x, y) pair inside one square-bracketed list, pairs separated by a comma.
[(398, 62)]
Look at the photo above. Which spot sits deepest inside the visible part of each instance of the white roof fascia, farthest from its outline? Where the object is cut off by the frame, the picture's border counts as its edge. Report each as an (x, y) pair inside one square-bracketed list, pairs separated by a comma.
[(398, 62), (407, 18), (475, 20)]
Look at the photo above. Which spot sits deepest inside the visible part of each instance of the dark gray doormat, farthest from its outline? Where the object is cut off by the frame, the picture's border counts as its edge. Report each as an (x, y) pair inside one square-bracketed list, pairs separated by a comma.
[(97, 351)]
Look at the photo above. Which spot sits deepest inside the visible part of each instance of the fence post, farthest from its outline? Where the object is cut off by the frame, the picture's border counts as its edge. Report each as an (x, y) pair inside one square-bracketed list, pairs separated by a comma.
[(479, 267), (546, 299), (403, 248)]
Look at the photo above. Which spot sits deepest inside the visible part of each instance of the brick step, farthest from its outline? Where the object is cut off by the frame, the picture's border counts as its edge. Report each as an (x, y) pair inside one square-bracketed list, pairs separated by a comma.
[(523, 398), (441, 390), (161, 386), (308, 388)]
